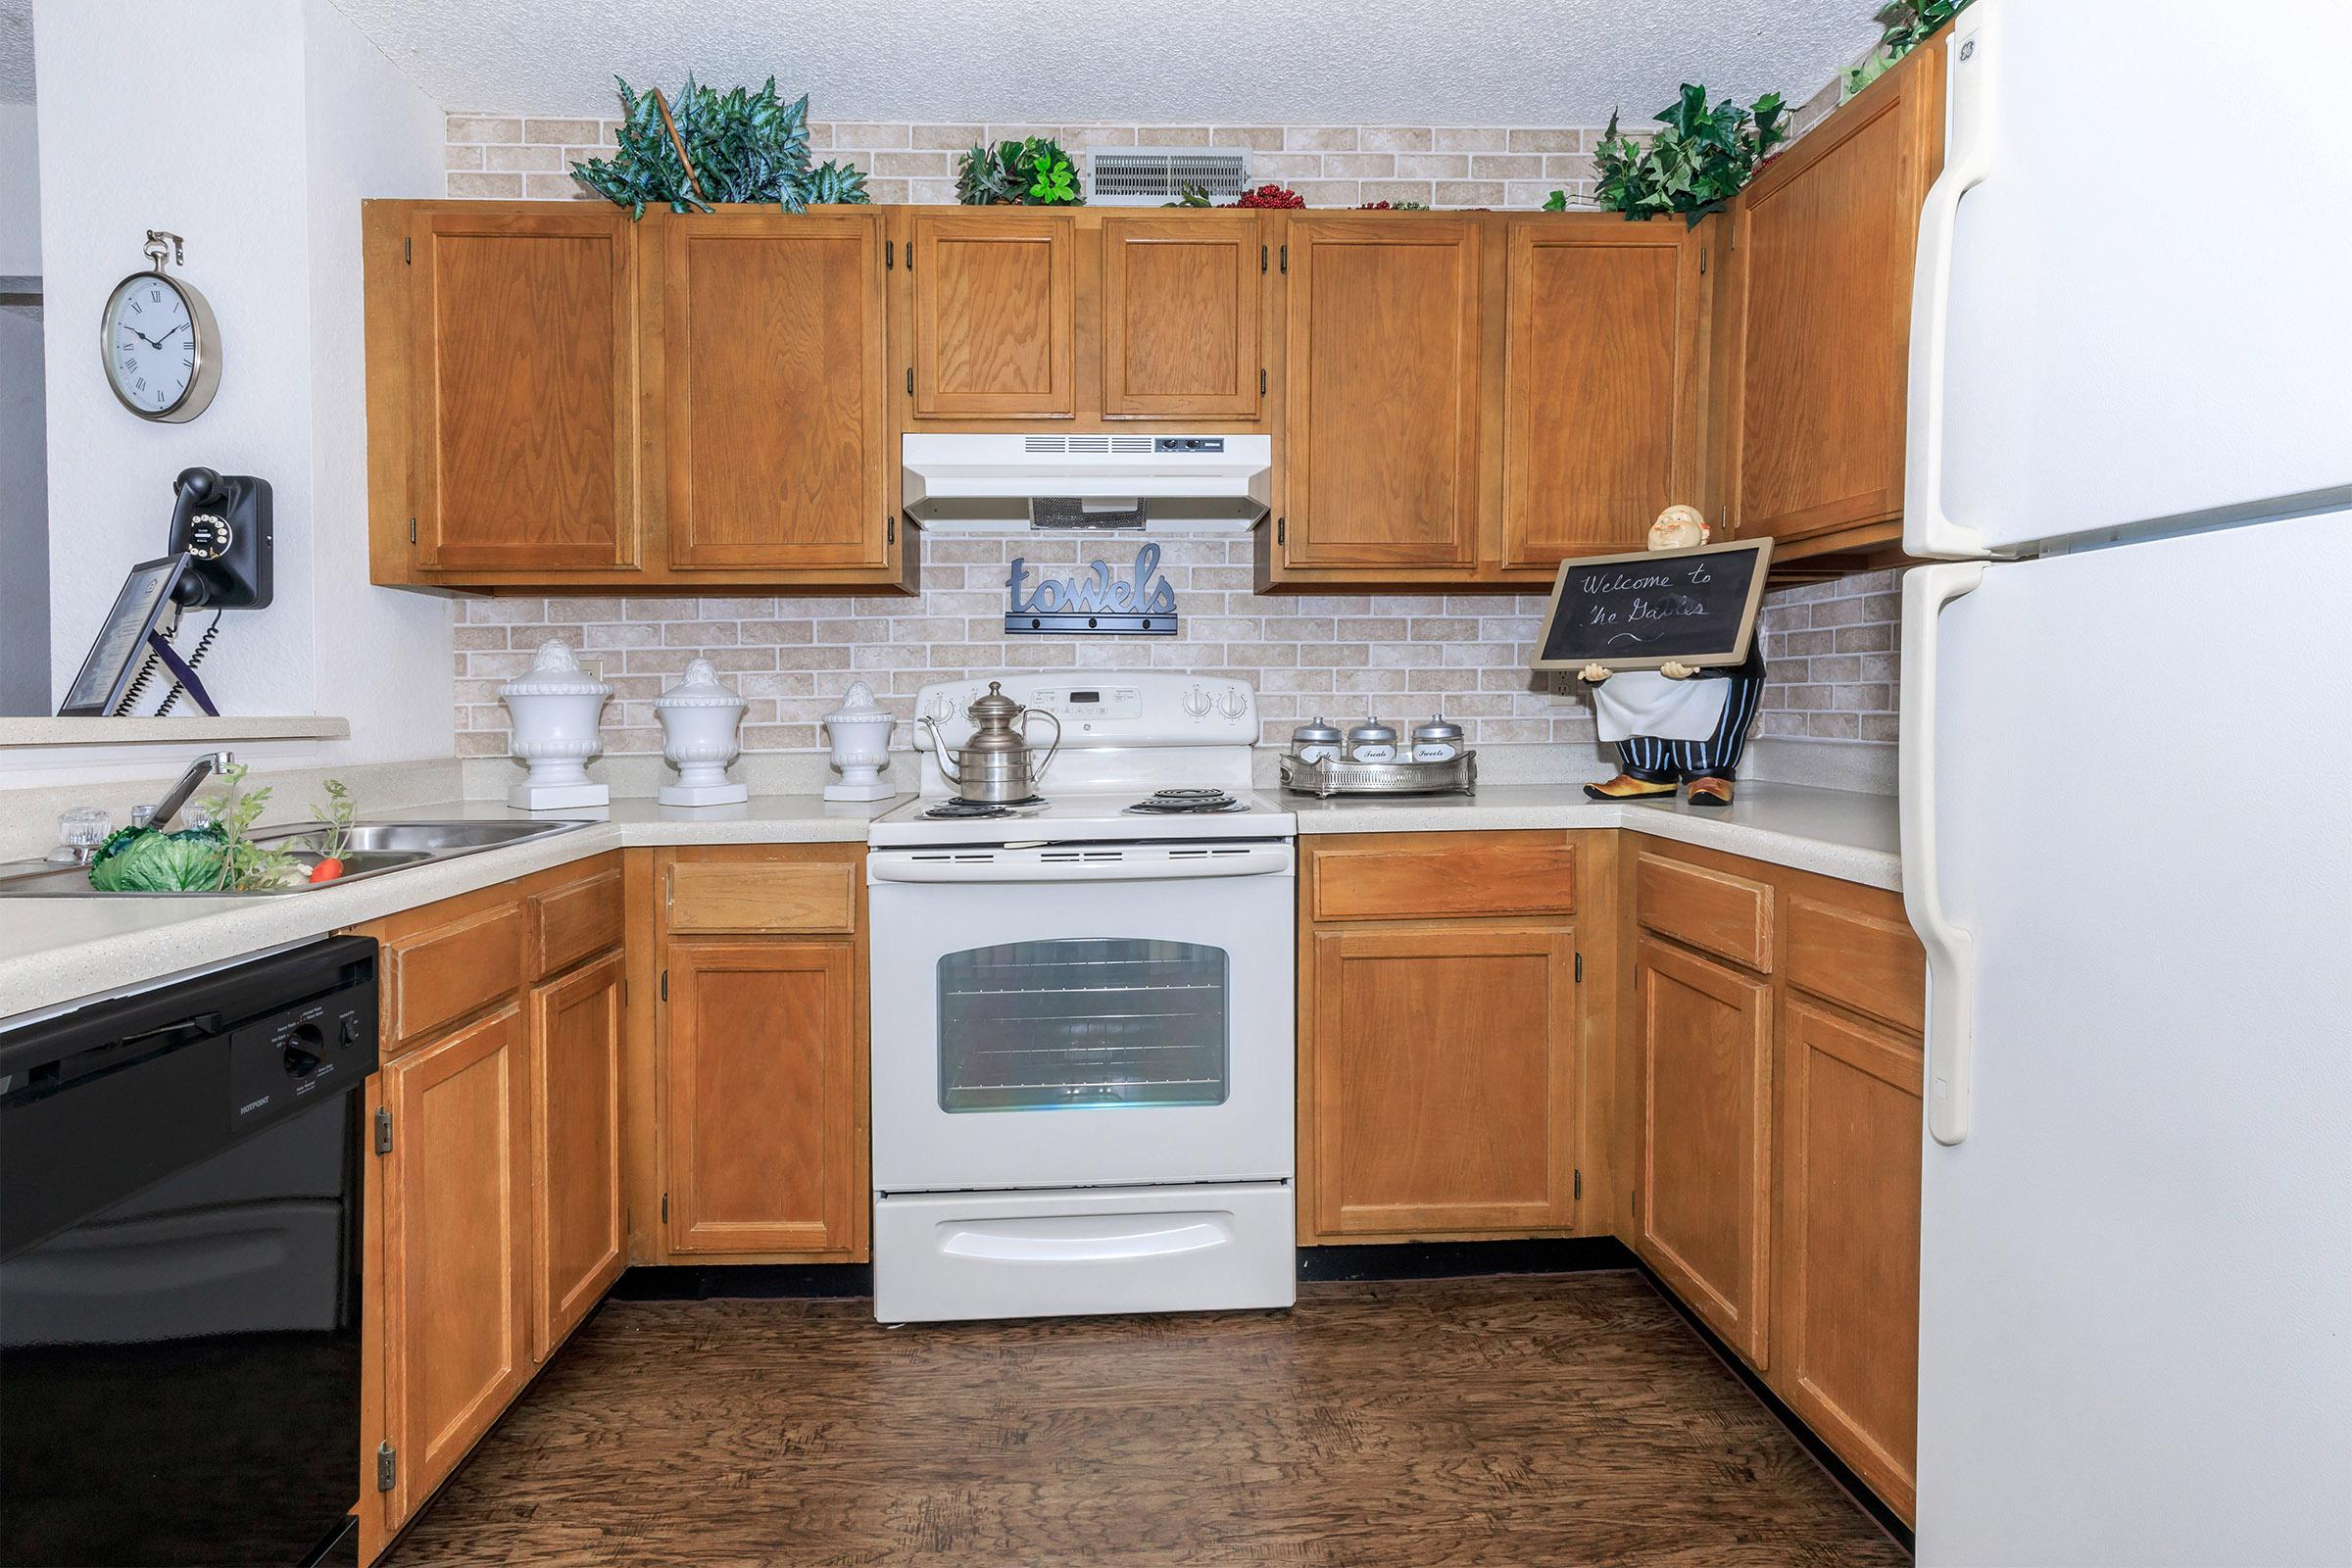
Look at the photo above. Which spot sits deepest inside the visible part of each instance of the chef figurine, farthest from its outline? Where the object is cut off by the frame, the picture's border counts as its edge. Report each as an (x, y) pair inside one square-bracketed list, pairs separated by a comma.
[(1680, 725)]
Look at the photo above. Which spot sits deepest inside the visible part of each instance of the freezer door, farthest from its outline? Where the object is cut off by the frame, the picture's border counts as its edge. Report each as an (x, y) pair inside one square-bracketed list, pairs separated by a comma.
[(2136, 1263), (2099, 342)]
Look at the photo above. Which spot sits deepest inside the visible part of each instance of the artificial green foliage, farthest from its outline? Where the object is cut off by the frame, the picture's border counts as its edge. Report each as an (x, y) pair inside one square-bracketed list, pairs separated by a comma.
[(1903, 25), (1032, 172), (1556, 202), (842, 184), (140, 859), (746, 146), (1697, 161), (1189, 195)]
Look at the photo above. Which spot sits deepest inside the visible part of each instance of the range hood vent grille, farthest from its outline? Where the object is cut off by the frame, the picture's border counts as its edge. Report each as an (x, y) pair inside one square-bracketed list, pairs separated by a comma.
[(1055, 446), (1147, 177)]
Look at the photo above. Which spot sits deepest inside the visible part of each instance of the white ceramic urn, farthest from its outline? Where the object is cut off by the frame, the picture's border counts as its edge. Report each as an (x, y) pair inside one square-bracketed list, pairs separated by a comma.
[(859, 732), (555, 709), (698, 718)]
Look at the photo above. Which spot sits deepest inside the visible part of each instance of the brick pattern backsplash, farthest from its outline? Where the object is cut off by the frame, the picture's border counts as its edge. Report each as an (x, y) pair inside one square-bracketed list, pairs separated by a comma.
[(496, 155), (1405, 655), (1833, 652)]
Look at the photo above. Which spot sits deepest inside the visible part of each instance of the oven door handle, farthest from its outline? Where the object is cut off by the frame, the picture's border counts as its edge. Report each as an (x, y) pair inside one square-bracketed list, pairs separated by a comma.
[(1078, 862)]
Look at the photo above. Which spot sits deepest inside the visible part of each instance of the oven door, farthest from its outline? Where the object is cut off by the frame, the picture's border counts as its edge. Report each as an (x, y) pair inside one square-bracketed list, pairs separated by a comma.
[(1077, 1015)]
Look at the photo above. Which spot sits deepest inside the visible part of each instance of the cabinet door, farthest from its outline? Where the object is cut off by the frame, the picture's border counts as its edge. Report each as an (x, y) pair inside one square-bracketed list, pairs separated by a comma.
[(1444, 1080), (1182, 301), (760, 1120), (995, 318), (523, 346), (774, 431), (457, 1252), (578, 1241), (1822, 345), (1706, 1138), (1381, 437), (1600, 384), (1848, 1358)]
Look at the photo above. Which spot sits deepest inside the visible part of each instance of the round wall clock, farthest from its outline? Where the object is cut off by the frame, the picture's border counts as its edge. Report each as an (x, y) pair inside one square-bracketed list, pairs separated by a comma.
[(159, 342)]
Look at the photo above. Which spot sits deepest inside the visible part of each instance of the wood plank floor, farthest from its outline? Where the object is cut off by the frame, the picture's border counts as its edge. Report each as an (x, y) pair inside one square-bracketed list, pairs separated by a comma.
[(1517, 1422)]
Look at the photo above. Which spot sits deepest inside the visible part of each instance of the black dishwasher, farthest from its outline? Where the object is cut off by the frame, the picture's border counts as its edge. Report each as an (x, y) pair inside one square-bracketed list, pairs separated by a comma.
[(180, 1175)]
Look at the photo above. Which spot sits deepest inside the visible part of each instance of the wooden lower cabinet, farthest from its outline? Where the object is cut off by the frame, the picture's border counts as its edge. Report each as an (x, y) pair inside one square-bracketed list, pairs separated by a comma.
[(458, 1246), (1703, 1201), (1444, 1074), (1847, 1321), (579, 1236)]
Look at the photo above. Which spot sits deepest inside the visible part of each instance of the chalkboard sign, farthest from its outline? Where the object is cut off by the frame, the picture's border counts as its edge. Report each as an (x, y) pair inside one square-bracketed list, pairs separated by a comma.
[(1639, 611)]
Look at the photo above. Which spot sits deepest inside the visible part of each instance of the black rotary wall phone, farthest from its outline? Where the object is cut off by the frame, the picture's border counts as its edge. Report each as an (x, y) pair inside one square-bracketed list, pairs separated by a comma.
[(220, 555)]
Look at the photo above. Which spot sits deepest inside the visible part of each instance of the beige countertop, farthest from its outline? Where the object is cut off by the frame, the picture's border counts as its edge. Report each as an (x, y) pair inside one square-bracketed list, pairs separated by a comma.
[(59, 950)]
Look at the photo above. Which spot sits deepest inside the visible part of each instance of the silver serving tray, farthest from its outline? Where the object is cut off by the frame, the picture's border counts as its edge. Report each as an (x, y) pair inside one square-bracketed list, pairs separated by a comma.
[(1324, 779)]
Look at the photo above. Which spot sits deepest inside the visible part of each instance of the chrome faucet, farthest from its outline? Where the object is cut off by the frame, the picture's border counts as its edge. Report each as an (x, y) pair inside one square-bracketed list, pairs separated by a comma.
[(176, 797)]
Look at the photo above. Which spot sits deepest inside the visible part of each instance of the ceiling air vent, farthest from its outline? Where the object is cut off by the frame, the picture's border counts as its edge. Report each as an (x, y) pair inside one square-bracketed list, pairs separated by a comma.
[(1149, 176)]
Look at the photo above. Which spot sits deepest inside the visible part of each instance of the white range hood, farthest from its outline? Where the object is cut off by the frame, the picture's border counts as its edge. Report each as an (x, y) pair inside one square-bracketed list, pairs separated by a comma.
[(1143, 482)]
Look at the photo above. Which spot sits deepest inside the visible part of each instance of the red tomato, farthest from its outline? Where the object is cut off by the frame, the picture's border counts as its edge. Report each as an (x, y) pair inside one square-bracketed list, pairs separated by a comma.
[(326, 870)]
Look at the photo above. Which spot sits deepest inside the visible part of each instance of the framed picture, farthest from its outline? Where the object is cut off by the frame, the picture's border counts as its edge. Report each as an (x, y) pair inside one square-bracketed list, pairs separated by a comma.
[(121, 647), (1641, 609)]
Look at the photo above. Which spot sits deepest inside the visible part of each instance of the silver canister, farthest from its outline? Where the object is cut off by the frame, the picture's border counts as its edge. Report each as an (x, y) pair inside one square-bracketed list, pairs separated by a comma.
[(1319, 739), (1438, 739), (1372, 741)]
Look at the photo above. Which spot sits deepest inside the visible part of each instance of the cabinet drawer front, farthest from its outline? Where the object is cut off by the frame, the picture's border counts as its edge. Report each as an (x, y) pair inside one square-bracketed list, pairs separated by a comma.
[(1724, 914), (1412, 884), (443, 974), (571, 922), (762, 896), (1872, 963)]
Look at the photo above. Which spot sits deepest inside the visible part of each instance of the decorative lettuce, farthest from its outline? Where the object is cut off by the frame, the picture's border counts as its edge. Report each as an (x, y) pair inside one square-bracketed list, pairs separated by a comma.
[(143, 861)]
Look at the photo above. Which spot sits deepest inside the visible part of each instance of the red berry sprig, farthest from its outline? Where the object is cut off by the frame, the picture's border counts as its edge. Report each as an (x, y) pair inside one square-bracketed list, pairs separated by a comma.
[(1270, 195)]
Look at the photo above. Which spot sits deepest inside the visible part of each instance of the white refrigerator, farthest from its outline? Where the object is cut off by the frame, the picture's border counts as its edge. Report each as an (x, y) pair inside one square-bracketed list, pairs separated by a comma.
[(2127, 777)]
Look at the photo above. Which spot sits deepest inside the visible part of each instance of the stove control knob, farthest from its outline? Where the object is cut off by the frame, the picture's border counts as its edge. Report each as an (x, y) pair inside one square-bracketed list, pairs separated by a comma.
[(1196, 702), (1233, 705), (943, 707)]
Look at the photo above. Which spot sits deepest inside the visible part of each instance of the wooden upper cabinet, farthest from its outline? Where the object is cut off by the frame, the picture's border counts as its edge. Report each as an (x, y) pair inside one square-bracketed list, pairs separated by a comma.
[(761, 1117), (994, 315), (1183, 299), (1600, 383), (1443, 1072), (1704, 1200), (1381, 452), (770, 401), (1847, 1319), (521, 373), (1818, 335)]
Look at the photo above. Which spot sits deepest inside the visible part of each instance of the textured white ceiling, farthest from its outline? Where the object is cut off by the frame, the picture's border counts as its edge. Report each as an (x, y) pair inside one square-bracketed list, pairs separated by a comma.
[(1173, 62), (16, 51)]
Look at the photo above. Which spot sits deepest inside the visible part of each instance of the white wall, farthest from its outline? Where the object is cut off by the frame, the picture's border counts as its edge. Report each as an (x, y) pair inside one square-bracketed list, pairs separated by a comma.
[(281, 118), (19, 193)]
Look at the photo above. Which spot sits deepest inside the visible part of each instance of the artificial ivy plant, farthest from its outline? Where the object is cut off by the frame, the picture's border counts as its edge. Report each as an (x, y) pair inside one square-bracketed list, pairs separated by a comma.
[(1030, 172), (1697, 161), (1902, 26), (705, 147)]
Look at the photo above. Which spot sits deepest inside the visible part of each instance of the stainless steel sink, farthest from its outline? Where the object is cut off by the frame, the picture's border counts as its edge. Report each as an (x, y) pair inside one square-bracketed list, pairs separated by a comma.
[(371, 848)]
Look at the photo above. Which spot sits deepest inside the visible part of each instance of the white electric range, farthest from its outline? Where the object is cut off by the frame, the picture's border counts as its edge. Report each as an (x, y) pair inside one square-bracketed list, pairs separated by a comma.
[(1083, 1018)]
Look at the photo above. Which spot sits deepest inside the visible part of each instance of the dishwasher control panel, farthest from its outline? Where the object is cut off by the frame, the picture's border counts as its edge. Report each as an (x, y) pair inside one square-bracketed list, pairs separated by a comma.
[(317, 1047)]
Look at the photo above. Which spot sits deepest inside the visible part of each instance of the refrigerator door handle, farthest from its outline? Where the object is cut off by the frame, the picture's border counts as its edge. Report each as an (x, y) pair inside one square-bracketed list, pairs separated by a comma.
[(1928, 531), (1951, 949)]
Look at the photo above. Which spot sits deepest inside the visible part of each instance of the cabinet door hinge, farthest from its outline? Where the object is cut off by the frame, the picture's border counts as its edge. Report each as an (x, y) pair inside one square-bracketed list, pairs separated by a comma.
[(910, 256), (1261, 380), (1702, 260), (910, 380), (383, 1130), (1580, 968), (1286, 259), (408, 256), (1281, 529), (1580, 1186), (665, 985), (1261, 258), (664, 1208), (890, 253), (411, 531), (387, 1466), (889, 530)]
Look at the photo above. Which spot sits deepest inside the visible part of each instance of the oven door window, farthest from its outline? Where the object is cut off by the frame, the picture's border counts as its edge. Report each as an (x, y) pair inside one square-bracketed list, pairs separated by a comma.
[(1083, 1024)]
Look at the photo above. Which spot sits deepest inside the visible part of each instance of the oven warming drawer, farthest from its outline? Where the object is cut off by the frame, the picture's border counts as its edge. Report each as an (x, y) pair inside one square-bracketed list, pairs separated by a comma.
[(1093, 1249)]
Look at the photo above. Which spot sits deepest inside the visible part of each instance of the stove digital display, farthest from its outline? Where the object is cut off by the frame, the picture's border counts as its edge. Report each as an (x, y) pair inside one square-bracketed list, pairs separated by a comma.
[(1086, 696)]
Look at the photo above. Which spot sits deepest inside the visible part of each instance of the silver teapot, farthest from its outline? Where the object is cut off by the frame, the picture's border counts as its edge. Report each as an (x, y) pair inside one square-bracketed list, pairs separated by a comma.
[(993, 767)]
